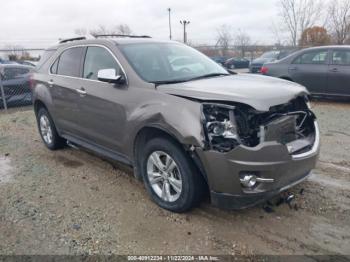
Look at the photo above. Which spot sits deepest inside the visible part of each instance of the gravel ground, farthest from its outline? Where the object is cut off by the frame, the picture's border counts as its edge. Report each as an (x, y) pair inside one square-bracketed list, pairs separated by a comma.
[(72, 202)]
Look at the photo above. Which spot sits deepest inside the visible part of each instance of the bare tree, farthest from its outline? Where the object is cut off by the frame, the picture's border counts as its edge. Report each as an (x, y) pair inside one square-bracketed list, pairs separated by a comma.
[(15, 51), (123, 29), (297, 15), (276, 31), (339, 20), (101, 30), (80, 31), (242, 41), (223, 38)]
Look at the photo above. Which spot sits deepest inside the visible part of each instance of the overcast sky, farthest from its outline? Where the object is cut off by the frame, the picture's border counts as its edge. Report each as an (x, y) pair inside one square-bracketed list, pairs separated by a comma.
[(38, 23)]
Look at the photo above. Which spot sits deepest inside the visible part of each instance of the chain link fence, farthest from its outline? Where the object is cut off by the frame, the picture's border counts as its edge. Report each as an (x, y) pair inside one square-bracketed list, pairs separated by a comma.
[(15, 86)]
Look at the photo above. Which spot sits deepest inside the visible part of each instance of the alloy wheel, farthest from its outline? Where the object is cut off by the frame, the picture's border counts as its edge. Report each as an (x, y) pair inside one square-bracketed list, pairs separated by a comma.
[(164, 176), (45, 129)]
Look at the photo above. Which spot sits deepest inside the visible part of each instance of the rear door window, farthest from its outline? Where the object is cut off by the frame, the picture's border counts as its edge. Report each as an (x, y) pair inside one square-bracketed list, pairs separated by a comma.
[(69, 62), (313, 57), (341, 57)]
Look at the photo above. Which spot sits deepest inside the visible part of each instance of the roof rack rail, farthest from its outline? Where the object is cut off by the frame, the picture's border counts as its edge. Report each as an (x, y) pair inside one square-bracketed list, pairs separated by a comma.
[(119, 35), (72, 39)]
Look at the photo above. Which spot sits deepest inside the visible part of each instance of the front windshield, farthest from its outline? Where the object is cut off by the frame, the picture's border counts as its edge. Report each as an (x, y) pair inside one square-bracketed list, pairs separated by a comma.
[(271, 54), (169, 62)]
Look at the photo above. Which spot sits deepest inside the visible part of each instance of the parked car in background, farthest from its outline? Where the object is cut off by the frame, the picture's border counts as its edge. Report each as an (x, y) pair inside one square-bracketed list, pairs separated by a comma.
[(186, 130), (16, 83), (219, 59), (2, 61), (236, 62), (27, 62), (256, 64), (324, 71)]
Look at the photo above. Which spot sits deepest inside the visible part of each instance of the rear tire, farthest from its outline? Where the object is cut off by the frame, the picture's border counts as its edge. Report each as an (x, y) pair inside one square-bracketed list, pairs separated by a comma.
[(48, 130), (178, 188)]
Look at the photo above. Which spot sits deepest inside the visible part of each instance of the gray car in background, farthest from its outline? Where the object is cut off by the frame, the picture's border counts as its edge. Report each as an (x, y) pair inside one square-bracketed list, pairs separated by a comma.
[(324, 71), (182, 122), (270, 56), (15, 82)]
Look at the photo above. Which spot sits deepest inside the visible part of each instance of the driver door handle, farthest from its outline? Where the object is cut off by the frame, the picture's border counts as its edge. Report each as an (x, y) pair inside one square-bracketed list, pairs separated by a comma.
[(293, 68), (81, 91), (334, 70)]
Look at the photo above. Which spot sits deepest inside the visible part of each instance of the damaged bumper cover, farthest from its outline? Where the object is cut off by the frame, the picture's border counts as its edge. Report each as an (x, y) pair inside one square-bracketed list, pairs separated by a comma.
[(276, 168)]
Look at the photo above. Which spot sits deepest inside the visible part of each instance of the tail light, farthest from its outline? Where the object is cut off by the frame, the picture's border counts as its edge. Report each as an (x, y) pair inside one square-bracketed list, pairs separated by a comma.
[(264, 70)]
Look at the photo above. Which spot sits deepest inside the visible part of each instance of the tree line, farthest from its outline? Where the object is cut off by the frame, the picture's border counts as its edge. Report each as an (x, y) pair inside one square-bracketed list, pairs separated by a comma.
[(301, 23), (314, 22)]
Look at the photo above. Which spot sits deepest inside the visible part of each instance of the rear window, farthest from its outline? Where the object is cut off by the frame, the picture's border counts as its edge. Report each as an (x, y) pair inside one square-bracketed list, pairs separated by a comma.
[(69, 62)]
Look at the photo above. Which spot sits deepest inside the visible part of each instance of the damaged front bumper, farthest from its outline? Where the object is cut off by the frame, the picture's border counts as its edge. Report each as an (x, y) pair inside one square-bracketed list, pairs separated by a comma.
[(272, 162)]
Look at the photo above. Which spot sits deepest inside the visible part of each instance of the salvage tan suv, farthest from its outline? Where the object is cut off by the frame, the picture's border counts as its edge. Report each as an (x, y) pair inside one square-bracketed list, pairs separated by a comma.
[(185, 124)]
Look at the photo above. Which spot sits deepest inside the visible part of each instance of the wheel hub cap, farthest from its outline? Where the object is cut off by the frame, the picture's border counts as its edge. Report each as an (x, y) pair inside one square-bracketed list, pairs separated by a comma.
[(164, 176), (45, 129)]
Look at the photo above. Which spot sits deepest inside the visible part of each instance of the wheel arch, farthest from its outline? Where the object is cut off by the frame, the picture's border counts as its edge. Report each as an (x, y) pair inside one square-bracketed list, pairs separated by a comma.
[(149, 132), (39, 104)]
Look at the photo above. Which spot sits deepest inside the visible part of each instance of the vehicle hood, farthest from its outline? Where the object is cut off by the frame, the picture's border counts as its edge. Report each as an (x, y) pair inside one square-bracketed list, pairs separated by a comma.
[(261, 61), (260, 92)]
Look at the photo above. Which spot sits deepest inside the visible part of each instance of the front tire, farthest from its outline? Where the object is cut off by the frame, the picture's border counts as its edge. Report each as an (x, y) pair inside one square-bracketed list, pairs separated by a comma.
[(48, 130), (170, 177)]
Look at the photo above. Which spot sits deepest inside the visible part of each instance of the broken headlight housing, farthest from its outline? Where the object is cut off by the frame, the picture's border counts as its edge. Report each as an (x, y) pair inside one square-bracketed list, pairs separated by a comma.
[(220, 126)]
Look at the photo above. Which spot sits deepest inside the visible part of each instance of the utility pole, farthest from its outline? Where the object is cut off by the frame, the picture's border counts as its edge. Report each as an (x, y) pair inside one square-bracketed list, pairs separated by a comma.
[(169, 10), (185, 23)]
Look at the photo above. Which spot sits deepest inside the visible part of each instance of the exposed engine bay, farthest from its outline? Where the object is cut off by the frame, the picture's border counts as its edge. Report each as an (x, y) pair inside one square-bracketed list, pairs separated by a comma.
[(228, 126)]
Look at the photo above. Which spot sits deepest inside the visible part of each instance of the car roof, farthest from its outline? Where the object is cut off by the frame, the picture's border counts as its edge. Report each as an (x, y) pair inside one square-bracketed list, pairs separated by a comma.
[(114, 40), (327, 47)]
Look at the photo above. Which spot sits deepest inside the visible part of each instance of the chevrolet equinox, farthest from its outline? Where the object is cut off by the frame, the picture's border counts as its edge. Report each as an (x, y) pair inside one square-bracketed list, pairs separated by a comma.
[(182, 122)]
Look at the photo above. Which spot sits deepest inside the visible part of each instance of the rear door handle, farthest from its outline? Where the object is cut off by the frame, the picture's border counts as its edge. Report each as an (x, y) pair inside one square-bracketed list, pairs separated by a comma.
[(50, 83), (334, 70), (293, 68), (81, 91)]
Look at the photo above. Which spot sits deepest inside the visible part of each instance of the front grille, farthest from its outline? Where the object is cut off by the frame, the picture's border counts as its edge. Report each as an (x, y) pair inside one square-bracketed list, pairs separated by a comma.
[(283, 123)]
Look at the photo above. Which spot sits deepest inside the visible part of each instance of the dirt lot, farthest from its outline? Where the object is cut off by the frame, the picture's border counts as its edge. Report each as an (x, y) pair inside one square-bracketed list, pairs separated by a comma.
[(71, 202)]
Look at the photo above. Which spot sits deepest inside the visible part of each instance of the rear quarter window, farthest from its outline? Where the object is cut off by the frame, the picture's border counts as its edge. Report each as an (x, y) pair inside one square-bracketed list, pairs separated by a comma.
[(45, 57), (69, 62), (341, 57)]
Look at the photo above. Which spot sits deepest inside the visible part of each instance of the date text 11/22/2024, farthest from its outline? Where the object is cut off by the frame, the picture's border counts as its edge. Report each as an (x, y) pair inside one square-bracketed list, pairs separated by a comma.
[(173, 258)]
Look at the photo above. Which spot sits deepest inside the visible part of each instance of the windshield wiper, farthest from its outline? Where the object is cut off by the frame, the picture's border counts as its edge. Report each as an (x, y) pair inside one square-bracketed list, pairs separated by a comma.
[(208, 76), (168, 82)]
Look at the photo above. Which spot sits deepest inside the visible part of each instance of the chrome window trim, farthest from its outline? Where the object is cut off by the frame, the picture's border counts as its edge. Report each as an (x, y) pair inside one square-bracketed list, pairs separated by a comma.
[(314, 148), (89, 45)]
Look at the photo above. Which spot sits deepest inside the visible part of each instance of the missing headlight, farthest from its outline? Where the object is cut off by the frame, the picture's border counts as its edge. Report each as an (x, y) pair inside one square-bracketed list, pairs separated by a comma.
[(220, 127)]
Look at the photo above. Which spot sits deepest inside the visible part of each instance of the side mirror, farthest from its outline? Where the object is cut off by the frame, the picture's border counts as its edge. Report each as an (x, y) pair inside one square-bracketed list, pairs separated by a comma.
[(110, 76)]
